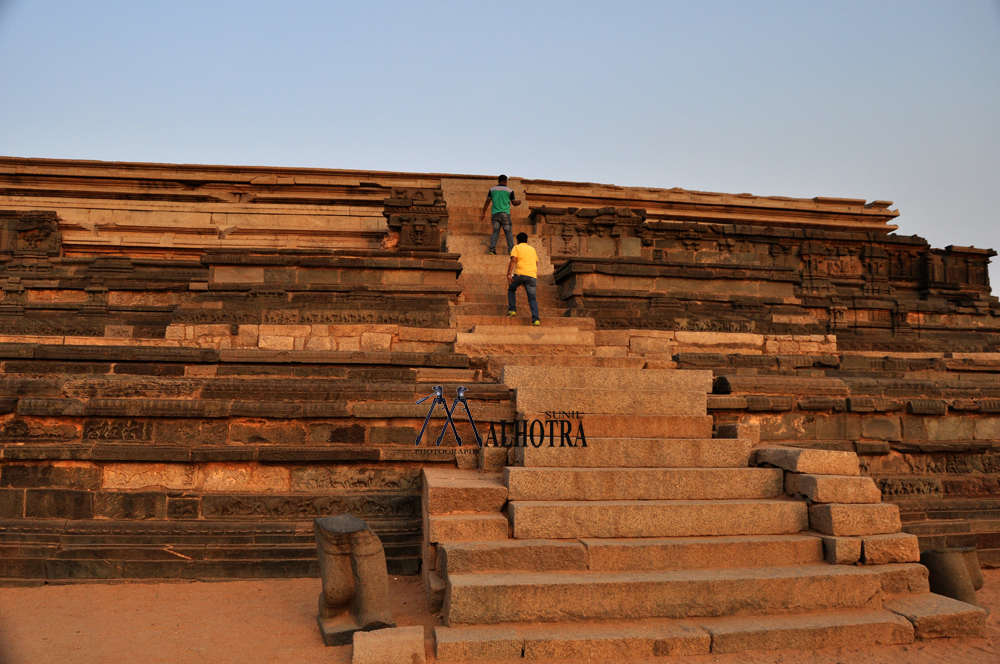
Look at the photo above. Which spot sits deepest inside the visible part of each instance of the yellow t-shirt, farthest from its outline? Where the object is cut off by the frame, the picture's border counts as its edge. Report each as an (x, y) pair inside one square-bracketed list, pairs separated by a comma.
[(527, 260)]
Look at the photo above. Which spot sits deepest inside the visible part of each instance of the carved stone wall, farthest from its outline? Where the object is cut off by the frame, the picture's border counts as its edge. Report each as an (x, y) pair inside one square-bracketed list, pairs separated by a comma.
[(874, 290)]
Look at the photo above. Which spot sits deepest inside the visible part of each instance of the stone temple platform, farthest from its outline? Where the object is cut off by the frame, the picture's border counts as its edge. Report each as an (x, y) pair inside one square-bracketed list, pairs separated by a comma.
[(784, 400)]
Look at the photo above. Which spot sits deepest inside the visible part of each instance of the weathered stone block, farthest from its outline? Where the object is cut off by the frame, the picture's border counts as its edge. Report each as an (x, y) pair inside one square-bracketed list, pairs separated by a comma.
[(841, 550), (130, 506), (143, 475), (374, 341), (11, 503), (882, 428), (809, 461), (854, 520), (56, 474), (833, 488), (284, 433), (58, 504), (890, 548), (934, 616), (244, 478), (390, 646), (477, 643), (837, 427), (987, 428)]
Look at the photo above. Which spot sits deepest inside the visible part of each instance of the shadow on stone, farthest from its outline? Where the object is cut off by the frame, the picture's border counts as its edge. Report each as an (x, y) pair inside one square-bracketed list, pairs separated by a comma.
[(355, 593), (954, 573)]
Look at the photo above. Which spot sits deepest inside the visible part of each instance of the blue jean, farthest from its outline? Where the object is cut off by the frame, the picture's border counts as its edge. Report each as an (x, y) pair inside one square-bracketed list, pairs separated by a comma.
[(501, 220), (530, 286)]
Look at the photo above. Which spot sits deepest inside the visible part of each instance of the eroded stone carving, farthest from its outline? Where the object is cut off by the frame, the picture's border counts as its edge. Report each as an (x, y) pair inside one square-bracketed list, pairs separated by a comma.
[(355, 593)]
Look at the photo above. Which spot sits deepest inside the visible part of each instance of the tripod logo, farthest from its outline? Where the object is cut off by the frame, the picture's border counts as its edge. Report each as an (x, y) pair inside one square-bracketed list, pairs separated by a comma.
[(439, 399)]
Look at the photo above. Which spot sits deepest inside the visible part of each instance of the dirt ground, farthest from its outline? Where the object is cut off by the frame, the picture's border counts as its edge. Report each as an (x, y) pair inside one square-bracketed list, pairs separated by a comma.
[(274, 621)]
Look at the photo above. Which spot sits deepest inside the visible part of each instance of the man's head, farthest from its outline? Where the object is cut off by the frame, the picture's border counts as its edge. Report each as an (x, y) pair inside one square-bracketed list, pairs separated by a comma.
[(522, 238), (502, 179)]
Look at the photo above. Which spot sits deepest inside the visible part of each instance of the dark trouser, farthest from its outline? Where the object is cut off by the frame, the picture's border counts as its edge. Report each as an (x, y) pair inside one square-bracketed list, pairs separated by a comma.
[(501, 220), (530, 285)]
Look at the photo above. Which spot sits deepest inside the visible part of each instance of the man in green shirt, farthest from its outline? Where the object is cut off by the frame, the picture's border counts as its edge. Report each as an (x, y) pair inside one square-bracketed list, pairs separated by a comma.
[(500, 197)]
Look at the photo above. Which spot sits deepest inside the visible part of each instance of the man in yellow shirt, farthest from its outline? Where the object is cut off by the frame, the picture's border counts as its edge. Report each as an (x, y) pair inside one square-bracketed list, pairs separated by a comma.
[(523, 271)]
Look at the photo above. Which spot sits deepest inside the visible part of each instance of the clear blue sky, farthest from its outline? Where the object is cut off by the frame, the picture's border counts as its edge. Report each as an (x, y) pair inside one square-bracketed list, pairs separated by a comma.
[(887, 100)]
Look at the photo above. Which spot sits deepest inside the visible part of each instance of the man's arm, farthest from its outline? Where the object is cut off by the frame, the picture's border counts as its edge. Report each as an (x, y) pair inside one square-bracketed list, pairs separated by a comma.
[(510, 269), (513, 199), (486, 206)]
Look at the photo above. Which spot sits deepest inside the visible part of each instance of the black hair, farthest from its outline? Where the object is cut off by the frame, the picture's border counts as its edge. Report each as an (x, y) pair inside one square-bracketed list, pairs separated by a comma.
[(502, 178), (522, 237)]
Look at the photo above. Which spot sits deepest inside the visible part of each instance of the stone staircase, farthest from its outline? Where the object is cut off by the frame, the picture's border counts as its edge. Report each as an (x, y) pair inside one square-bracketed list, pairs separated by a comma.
[(655, 539), (484, 332)]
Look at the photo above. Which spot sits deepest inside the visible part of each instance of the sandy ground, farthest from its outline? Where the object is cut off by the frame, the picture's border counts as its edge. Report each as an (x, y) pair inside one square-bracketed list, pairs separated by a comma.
[(251, 622)]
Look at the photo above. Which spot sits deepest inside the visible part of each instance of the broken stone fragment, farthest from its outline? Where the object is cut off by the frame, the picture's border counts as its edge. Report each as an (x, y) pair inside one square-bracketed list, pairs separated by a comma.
[(355, 593)]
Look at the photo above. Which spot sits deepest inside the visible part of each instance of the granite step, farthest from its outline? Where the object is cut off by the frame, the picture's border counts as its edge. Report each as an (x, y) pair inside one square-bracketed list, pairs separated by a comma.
[(564, 596), (479, 349), (625, 640), (467, 323), (629, 555), (496, 362), (637, 381), (604, 484), (655, 518), (528, 331), (498, 295), (481, 309), (641, 452), (611, 402)]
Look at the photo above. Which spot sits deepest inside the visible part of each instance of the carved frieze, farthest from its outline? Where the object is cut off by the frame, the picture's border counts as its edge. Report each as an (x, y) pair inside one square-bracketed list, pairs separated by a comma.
[(29, 233)]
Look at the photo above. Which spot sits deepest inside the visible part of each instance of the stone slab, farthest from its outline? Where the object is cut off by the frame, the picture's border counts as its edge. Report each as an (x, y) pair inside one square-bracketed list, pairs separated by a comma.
[(935, 616), (642, 483), (833, 488), (466, 527), (449, 490), (650, 554), (566, 596), (655, 518), (908, 578), (841, 550), (636, 380), (511, 556), (854, 520), (610, 402), (890, 548), (831, 629), (808, 461), (640, 453), (389, 646)]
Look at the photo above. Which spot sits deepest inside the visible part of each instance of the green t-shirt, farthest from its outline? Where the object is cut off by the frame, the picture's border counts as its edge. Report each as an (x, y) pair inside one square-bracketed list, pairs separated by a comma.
[(500, 196)]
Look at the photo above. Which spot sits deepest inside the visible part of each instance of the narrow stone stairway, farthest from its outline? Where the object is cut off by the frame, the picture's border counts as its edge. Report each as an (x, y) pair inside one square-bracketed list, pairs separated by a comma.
[(651, 538)]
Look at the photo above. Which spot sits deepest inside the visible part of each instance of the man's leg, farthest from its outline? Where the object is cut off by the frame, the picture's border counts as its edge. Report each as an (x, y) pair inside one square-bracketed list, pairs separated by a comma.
[(505, 218), (512, 294), (496, 232), (530, 287)]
